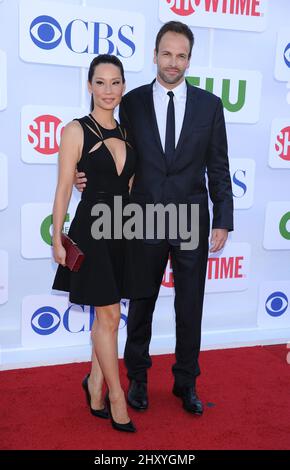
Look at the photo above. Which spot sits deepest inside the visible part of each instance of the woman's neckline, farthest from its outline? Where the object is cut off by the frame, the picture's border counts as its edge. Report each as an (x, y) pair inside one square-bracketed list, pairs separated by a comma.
[(106, 128)]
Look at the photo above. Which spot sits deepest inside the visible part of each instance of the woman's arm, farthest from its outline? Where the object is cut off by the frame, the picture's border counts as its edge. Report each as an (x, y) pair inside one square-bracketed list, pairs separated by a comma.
[(69, 155)]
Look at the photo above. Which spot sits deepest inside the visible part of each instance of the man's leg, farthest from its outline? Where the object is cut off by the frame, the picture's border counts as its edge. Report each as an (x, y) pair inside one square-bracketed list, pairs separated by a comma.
[(139, 326), (189, 270)]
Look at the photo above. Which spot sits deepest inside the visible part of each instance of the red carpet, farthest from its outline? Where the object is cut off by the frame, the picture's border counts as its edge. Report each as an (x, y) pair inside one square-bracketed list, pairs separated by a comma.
[(246, 392)]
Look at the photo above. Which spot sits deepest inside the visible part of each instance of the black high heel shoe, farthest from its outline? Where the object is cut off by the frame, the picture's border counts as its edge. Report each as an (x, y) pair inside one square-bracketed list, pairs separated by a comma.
[(98, 413), (127, 427)]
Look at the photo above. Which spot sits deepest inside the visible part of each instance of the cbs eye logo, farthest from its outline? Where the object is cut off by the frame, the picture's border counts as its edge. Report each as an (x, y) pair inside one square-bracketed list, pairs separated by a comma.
[(124, 314), (276, 304), (45, 321), (287, 55), (45, 32)]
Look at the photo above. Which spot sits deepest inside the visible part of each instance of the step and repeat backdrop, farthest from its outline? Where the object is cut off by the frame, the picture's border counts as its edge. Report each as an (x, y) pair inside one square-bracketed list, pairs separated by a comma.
[(242, 54)]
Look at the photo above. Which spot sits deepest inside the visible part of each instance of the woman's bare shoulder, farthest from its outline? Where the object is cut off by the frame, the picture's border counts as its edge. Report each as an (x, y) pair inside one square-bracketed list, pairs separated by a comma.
[(72, 130)]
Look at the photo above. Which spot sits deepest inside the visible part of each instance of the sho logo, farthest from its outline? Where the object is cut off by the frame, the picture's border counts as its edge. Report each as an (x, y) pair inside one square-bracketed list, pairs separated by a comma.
[(45, 32), (282, 145), (276, 304), (45, 133), (279, 150)]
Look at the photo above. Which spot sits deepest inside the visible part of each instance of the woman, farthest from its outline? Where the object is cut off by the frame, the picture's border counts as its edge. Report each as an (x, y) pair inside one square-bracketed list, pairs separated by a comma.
[(98, 145)]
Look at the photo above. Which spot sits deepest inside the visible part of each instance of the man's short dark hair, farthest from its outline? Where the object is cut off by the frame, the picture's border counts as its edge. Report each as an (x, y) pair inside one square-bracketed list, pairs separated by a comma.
[(175, 27)]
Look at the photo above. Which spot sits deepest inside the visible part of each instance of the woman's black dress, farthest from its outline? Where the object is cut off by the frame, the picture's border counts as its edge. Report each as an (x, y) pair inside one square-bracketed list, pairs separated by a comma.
[(113, 268)]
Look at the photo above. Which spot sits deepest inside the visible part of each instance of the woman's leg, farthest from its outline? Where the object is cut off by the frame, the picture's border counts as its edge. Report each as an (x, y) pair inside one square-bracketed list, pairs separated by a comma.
[(95, 383), (105, 341)]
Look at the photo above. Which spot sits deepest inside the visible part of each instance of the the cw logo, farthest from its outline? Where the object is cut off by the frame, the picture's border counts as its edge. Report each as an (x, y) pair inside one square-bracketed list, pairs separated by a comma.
[(283, 226), (229, 105), (45, 228)]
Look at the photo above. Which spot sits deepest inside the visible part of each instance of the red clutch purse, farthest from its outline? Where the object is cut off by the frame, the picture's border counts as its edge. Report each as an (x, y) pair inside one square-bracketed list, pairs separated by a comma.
[(74, 256)]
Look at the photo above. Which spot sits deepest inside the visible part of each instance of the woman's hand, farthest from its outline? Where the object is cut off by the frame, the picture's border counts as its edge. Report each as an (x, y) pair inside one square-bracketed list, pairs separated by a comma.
[(59, 254), (80, 180)]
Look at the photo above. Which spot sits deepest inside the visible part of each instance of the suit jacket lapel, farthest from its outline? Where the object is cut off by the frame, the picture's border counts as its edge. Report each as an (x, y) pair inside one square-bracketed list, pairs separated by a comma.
[(189, 117), (149, 104)]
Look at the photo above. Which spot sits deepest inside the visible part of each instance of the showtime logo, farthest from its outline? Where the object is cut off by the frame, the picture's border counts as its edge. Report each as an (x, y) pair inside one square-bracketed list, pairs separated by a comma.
[(282, 145), (246, 15), (41, 128), (44, 134), (232, 7), (279, 154), (225, 268), (229, 269), (226, 271)]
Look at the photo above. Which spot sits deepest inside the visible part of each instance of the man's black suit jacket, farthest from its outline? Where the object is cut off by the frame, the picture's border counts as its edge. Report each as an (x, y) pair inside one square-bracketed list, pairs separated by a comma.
[(200, 150)]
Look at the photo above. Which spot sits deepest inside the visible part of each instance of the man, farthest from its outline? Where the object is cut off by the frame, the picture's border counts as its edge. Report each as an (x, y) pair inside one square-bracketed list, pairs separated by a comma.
[(179, 134)]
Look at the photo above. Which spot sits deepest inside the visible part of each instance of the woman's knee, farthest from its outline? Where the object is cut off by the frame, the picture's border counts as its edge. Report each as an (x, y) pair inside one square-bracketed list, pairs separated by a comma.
[(108, 318)]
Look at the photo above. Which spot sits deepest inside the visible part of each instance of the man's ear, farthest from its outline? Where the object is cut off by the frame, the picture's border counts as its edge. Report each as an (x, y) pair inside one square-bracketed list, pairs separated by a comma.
[(155, 57)]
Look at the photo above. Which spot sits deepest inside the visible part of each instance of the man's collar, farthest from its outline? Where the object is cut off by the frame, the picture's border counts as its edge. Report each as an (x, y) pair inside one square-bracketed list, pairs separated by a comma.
[(179, 91)]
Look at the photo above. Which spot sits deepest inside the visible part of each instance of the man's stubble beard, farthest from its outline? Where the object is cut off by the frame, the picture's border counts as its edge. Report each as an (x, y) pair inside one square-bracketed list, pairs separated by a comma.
[(169, 80)]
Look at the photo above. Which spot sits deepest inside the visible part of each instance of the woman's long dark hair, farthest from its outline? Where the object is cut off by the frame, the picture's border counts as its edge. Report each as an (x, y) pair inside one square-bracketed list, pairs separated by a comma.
[(104, 59)]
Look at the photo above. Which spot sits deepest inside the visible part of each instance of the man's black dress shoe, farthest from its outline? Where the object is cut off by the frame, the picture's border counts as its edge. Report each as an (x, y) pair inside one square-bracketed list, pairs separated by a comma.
[(98, 413), (190, 400), (137, 395)]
